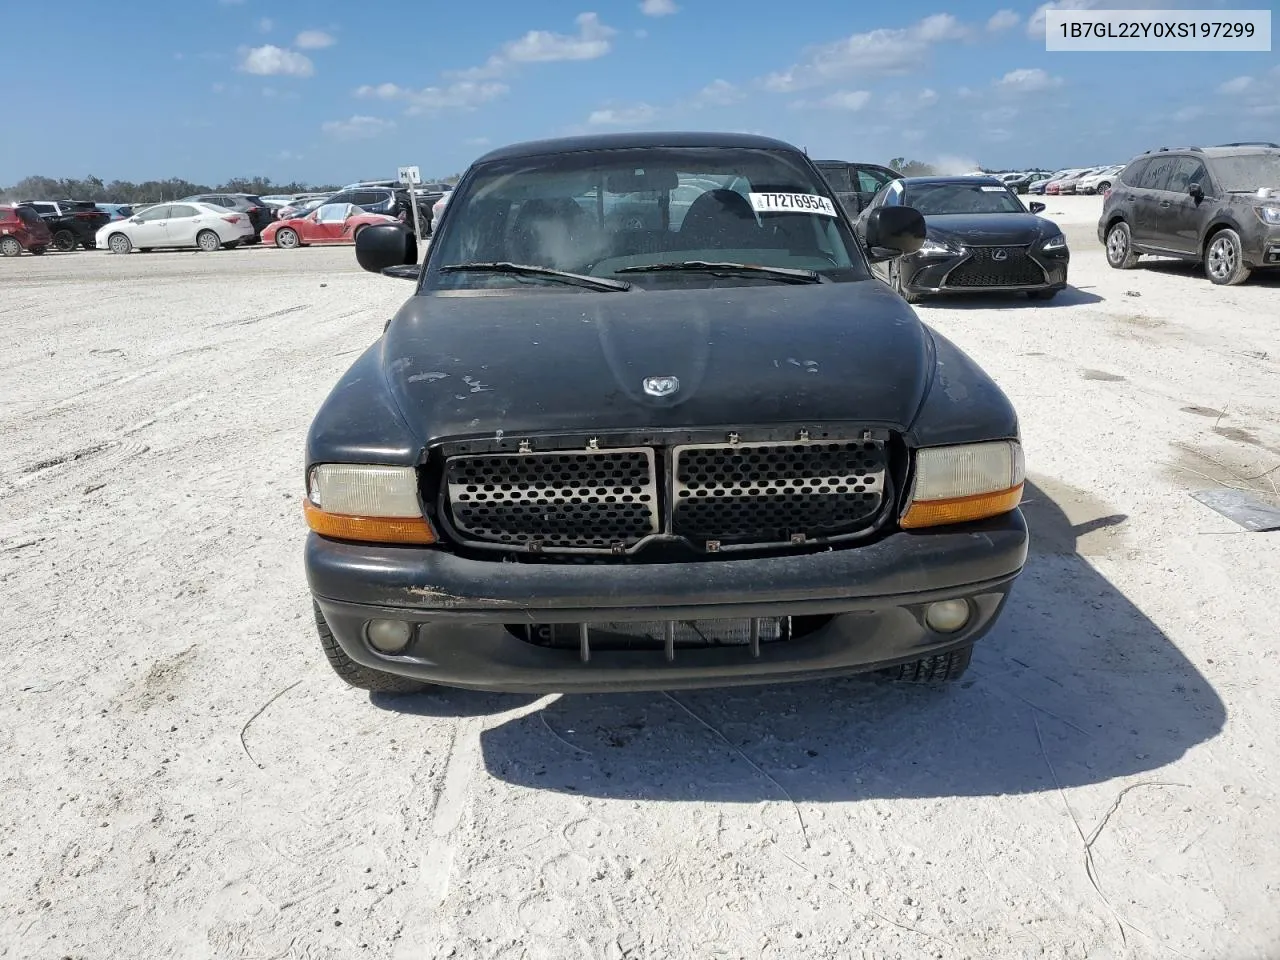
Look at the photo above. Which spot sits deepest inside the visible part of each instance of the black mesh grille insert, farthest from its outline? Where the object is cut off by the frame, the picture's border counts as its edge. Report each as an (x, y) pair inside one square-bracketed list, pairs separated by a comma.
[(773, 492), (580, 499), (983, 269)]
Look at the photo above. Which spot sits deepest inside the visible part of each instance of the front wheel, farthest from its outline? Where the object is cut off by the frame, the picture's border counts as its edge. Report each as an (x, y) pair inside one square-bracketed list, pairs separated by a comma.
[(899, 287), (940, 668), (286, 239), (1120, 253), (1223, 262), (208, 241), (119, 243), (64, 241), (357, 674)]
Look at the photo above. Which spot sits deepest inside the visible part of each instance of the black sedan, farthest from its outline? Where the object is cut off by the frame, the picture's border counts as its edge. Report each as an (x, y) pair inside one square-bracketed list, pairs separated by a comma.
[(590, 453), (981, 239)]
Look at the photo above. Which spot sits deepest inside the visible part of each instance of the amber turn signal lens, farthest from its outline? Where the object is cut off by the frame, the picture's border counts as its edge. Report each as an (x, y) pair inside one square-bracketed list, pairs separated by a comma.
[(936, 513), (368, 529)]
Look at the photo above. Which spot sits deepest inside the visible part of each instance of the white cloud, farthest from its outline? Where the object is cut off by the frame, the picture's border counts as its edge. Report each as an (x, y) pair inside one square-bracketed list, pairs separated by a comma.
[(1236, 85), (463, 95), (658, 8), (636, 115), (1003, 20), (357, 128), (1188, 113), (882, 51), (927, 97), (717, 93), (850, 100), (965, 93), (266, 25), (273, 61), (1028, 81), (314, 40), (593, 40), (384, 91), (1036, 22)]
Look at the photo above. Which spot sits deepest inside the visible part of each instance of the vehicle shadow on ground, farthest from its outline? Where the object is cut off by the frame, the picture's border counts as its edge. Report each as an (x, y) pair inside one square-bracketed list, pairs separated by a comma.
[(1185, 268), (1074, 675), (1068, 297)]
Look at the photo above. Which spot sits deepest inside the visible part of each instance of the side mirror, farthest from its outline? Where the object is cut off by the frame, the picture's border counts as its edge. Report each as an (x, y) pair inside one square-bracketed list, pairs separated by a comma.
[(1036, 207), (893, 232), (385, 245), (135, 219)]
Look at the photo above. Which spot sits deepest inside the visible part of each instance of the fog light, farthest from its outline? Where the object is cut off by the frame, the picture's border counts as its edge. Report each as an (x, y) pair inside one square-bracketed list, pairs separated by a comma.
[(389, 636), (947, 616)]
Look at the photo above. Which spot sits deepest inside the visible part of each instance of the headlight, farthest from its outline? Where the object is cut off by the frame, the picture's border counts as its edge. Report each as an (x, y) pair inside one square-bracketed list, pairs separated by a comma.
[(1056, 242), (936, 248), (965, 482), (1268, 213), (367, 502)]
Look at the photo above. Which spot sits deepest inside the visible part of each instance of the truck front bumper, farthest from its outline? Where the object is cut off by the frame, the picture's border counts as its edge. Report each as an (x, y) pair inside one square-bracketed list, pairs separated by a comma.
[(468, 615)]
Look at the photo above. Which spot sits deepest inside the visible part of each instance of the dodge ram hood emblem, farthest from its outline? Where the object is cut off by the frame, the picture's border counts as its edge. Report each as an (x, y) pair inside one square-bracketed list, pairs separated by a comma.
[(661, 386), (999, 255)]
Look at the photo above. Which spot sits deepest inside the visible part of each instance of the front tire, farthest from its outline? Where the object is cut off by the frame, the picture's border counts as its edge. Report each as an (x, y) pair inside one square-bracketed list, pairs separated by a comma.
[(208, 241), (287, 238), (900, 288), (1120, 253), (940, 668), (64, 241), (1224, 261), (119, 243), (357, 674)]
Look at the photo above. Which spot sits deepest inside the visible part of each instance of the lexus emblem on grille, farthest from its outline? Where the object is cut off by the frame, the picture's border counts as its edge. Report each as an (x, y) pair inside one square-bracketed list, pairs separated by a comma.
[(999, 254), (661, 386)]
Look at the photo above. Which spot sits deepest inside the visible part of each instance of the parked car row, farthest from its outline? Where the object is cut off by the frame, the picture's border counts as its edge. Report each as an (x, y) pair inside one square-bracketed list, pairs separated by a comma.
[(1088, 180), (241, 219)]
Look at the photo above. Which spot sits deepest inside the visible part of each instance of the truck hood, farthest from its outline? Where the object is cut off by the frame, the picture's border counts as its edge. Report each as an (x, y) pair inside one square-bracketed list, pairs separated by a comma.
[(535, 362)]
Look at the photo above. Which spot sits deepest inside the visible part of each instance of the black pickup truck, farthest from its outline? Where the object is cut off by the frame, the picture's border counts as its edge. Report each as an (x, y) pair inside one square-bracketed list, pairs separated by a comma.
[(73, 223)]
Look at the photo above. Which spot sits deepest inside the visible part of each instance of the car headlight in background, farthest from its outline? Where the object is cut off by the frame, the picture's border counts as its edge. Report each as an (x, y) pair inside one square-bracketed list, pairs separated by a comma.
[(937, 248), (1268, 213), (371, 503), (1056, 242), (971, 481)]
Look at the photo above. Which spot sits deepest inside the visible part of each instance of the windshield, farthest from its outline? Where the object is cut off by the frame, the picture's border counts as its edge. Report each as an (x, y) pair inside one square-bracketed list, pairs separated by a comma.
[(934, 199), (1248, 171), (602, 211)]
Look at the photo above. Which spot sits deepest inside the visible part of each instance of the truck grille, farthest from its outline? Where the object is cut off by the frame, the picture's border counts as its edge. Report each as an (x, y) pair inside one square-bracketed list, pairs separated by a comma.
[(983, 270), (591, 499), (718, 495), (771, 492)]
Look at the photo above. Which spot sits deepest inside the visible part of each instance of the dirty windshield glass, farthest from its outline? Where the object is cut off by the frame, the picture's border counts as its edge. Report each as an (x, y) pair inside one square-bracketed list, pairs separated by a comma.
[(1248, 171), (600, 212), (933, 199)]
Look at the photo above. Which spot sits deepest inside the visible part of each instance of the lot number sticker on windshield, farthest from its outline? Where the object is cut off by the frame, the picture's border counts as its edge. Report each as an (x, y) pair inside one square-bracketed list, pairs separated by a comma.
[(992, 189), (791, 203)]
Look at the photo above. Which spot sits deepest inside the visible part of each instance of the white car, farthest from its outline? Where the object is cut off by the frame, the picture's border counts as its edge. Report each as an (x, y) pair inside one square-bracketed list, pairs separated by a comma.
[(1101, 181), (199, 225), (437, 208)]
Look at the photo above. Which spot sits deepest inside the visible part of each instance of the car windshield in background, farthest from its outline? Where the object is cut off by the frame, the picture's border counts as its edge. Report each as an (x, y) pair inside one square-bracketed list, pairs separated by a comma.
[(936, 199), (606, 213), (1248, 172)]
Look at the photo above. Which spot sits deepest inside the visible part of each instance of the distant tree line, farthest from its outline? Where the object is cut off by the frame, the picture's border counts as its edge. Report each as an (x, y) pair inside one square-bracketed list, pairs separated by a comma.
[(126, 191), (911, 168)]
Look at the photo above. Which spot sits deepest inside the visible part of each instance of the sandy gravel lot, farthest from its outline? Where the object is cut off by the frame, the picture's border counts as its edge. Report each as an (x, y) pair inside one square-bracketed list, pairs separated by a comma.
[(182, 776)]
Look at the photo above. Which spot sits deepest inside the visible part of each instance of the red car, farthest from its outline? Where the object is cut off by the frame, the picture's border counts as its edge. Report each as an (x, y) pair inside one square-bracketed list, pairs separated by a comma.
[(22, 229), (331, 223)]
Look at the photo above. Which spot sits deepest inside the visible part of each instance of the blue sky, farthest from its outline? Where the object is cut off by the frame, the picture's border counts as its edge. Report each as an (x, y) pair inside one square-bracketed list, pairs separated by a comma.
[(322, 90)]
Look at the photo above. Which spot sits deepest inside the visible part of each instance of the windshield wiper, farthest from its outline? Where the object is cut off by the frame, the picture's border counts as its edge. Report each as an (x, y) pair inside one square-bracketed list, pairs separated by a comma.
[(529, 270), (785, 274)]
